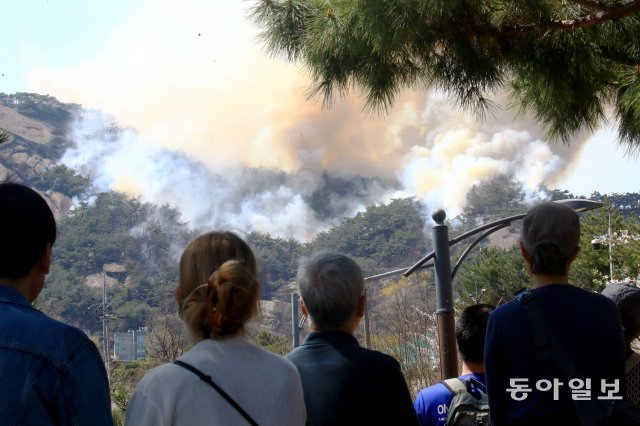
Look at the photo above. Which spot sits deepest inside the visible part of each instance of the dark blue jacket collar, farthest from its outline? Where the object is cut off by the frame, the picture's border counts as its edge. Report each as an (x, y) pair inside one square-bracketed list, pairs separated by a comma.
[(330, 337), (8, 294)]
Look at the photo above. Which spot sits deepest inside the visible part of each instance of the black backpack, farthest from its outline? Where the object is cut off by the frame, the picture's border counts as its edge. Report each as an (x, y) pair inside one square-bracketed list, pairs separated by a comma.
[(470, 405)]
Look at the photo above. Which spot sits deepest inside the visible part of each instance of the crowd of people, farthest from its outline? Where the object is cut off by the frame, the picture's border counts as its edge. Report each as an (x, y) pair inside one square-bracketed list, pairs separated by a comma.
[(555, 354)]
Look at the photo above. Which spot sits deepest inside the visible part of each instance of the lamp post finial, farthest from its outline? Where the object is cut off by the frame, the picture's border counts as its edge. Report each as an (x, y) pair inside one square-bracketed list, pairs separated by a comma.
[(439, 216)]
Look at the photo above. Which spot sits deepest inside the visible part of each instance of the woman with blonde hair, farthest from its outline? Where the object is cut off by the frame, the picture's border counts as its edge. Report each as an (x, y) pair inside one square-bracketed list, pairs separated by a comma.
[(223, 379)]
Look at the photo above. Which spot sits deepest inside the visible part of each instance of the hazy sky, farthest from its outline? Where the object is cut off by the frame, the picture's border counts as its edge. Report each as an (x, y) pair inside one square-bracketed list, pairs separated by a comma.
[(232, 105)]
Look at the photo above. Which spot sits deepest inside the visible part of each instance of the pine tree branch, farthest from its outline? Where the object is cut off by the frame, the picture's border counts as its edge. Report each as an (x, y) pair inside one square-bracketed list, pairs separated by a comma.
[(595, 5), (600, 17)]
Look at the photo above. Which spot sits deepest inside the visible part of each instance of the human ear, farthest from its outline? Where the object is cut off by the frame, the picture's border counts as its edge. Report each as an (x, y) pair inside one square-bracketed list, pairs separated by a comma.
[(44, 264), (361, 306)]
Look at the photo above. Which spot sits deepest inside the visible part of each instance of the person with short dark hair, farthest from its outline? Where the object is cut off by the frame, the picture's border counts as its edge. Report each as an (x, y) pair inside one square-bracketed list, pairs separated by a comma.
[(343, 383), (432, 403), (52, 373), (627, 298), (524, 389)]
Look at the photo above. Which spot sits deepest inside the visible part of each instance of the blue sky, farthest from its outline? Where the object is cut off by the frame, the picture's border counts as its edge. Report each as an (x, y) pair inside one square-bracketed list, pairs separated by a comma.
[(129, 58), (55, 33)]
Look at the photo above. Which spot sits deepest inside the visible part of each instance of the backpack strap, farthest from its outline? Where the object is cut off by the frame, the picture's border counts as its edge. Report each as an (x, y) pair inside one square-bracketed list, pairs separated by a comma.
[(632, 361), (455, 385), (546, 342), (589, 412), (208, 380)]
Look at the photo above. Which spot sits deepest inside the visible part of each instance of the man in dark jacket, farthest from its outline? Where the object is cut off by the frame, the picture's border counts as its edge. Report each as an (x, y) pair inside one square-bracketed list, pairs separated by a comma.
[(52, 374), (342, 382)]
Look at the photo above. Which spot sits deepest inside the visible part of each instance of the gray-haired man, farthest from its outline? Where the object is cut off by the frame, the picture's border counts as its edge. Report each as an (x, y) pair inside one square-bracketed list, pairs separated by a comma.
[(342, 382)]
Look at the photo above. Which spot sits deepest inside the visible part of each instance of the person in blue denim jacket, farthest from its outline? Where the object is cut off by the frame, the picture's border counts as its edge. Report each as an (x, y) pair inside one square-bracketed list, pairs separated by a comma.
[(52, 374)]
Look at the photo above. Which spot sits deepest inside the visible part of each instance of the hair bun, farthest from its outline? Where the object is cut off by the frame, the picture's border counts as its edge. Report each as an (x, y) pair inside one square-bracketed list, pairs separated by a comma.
[(232, 296), (218, 280)]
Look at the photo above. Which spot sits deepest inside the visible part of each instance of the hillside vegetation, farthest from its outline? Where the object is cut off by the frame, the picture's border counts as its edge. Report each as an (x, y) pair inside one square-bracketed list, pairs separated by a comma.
[(103, 232)]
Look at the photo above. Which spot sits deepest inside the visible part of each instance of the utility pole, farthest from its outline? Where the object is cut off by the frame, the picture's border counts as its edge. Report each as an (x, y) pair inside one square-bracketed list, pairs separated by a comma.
[(367, 330), (295, 327), (105, 326), (610, 244)]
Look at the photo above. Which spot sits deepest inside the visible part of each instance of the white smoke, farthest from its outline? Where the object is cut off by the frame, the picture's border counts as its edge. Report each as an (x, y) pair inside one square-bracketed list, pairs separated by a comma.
[(240, 199), (448, 153), (217, 122), (460, 152)]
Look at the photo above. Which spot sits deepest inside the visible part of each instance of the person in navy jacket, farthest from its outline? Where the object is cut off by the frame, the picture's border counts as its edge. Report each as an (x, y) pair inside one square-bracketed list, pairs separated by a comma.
[(524, 390), (52, 374)]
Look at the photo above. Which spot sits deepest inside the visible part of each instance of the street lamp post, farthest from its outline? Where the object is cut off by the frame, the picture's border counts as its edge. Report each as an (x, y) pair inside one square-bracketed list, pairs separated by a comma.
[(610, 241), (444, 297), (444, 275)]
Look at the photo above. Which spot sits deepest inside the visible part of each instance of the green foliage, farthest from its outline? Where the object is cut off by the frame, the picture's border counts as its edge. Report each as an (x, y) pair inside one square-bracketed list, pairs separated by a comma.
[(40, 107), (492, 276), (591, 268), (61, 179), (387, 235), (490, 200), (272, 342), (277, 260), (114, 228), (566, 62), (4, 136), (124, 377)]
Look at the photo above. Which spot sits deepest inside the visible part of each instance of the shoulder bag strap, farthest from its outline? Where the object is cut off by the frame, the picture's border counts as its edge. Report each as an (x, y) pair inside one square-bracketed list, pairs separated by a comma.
[(208, 380)]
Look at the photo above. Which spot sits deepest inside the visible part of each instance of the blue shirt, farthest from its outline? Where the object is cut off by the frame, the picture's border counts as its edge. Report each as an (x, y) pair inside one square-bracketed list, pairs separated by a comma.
[(588, 326), (432, 403), (52, 374)]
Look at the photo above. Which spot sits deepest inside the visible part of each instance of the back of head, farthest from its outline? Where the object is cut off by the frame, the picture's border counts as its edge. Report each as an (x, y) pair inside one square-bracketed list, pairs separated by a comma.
[(330, 285), (218, 286), (627, 298), (27, 225), (550, 234), (471, 328)]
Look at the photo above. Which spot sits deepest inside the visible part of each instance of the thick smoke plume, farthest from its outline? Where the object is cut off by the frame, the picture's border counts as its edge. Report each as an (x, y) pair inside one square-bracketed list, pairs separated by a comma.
[(292, 205), (446, 153), (226, 134)]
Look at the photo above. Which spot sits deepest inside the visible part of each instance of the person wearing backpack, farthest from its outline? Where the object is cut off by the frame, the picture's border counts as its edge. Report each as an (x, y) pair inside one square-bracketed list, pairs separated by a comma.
[(556, 351), (462, 397)]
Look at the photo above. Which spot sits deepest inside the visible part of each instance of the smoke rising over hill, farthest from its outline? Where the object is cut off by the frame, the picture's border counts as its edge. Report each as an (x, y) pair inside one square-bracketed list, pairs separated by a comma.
[(441, 154), (296, 205), (218, 122)]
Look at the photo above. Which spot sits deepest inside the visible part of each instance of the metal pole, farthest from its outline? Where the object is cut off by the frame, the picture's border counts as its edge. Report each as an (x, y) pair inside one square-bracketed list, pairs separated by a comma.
[(105, 328), (295, 329), (444, 297), (367, 330), (610, 243)]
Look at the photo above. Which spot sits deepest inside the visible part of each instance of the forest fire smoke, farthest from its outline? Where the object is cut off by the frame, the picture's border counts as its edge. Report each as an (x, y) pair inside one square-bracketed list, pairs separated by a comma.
[(233, 141)]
